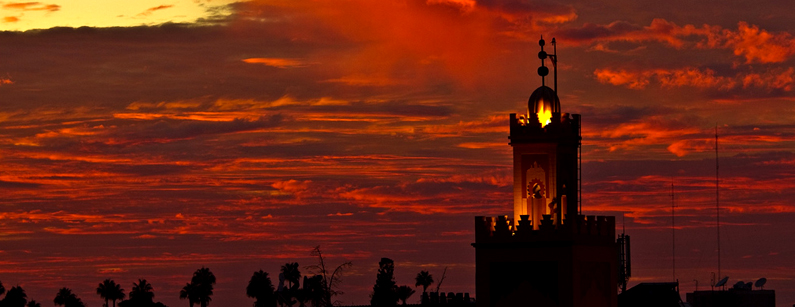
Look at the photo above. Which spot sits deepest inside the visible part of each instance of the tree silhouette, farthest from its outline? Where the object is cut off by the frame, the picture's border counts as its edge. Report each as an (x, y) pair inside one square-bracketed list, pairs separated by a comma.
[(15, 297), (314, 291), (423, 279), (2, 289), (328, 282), (33, 303), (110, 291), (189, 291), (404, 292), (384, 290), (141, 295), (302, 295), (203, 280), (142, 292), (292, 275), (66, 298), (260, 288)]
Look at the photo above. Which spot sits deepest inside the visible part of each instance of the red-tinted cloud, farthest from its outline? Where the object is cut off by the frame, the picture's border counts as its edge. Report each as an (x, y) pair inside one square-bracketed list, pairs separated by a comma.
[(777, 79), (748, 41), (275, 62), (32, 6), (151, 10)]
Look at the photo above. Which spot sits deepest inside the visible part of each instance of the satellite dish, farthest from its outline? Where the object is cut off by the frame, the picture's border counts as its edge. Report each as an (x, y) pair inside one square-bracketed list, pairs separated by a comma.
[(739, 285), (722, 282), (760, 283)]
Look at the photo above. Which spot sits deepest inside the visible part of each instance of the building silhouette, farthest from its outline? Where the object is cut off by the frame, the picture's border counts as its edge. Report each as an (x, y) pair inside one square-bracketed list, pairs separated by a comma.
[(546, 253), (740, 295)]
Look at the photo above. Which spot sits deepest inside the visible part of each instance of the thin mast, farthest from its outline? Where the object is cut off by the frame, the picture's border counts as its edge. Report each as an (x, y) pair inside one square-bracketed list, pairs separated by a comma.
[(717, 196), (673, 229)]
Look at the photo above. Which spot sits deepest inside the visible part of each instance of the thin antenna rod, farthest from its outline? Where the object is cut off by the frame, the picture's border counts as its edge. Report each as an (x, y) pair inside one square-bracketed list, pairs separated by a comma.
[(623, 223), (579, 168), (555, 64), (717, 195), (673, 228)]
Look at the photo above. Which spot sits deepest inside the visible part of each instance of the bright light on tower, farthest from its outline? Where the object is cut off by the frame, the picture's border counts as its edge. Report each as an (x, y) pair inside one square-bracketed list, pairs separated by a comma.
[(544, 114)]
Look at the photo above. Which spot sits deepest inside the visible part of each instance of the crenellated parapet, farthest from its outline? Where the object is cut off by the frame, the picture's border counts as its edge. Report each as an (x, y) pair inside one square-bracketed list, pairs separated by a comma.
[(501, 229), (561, 127)]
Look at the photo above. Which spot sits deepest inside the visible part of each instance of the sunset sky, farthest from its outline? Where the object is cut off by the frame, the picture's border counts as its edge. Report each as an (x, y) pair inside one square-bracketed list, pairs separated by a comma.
[(151, 138)]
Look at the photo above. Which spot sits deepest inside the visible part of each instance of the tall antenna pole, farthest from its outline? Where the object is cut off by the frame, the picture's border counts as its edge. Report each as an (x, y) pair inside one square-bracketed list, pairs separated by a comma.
[(555, 64), (717, 195), (673, 229), (579, 170)]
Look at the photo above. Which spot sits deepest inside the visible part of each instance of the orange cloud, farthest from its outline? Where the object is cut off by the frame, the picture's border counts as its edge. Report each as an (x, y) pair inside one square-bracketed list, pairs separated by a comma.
[(760, 46), (482, 145), (694, 77), (659, 30), (770, 79), (276, 62), (684, 147), (465, 5), (775, 79), (749, 41), (367, 80), (32, 6), (10, 19), (629, 79), (293, 187), (151, 10)]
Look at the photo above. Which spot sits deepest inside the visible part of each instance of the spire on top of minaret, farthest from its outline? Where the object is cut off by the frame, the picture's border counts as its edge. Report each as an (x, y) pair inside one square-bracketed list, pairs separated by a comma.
[(544, 101), (543, 71)]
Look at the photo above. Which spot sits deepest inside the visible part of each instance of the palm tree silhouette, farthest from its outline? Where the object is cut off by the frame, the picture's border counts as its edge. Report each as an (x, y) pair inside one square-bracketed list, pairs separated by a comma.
[(292, 275), (260, 288), (33, 303), (142, 292), (110, 290), (423, 279), (15, 297), (189, 292), (66, 298), (203, 280)]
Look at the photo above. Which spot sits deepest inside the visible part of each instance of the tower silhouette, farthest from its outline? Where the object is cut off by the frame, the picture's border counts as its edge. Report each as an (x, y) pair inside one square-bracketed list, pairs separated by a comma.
[(546, 253)]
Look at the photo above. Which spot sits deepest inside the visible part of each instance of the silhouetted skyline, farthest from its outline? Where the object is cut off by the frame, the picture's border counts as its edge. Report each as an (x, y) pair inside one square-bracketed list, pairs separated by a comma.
[(255, 131)]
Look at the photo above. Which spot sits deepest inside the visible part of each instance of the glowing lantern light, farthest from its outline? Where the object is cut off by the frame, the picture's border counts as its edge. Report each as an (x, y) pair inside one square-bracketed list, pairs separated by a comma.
[(543, 102), (544, 114)]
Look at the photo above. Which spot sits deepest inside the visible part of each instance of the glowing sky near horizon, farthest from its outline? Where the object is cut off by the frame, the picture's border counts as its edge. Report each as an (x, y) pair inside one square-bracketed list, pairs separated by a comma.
[(165, 136), (21, 16)]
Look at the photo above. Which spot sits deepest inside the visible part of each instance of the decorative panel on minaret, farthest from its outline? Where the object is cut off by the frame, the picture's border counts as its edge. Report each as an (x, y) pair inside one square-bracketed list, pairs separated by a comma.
[(545, 167)]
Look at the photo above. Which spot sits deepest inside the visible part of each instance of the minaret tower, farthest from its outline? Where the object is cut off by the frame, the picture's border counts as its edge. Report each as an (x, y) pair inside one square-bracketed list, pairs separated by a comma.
[(547, 253), (545, 145)]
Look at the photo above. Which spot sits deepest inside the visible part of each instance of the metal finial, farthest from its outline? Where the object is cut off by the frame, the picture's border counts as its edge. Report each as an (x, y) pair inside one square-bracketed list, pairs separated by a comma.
[(543, 71)]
